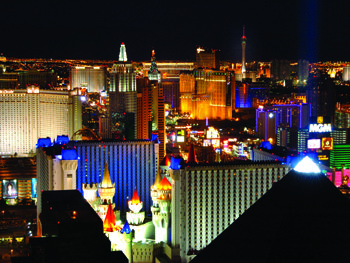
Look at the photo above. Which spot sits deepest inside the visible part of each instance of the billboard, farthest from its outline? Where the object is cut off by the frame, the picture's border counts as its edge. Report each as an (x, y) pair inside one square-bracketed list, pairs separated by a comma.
[(327, 143), (314, 143), (34, 188), (9, 189)]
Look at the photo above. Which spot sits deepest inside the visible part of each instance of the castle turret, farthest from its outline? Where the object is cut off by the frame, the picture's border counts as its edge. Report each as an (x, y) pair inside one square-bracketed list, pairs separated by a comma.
[(106, 191), (135, 217), (154, 190), (110, 222), (175, 172), (161, 210), (90, 191), (128, 237)]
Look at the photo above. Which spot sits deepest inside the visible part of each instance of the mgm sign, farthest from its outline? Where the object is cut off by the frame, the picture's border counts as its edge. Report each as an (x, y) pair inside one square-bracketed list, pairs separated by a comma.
[(320, 126)]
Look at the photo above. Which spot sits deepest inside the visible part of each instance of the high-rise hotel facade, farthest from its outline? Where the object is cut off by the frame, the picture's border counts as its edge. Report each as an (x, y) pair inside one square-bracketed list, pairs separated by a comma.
[(130, 164), (29, 114), (207, 93), (92, 78), (206, 199)]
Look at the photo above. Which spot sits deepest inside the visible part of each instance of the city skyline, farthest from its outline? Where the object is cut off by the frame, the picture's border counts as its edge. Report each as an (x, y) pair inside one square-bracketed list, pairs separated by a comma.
[(310, 30)]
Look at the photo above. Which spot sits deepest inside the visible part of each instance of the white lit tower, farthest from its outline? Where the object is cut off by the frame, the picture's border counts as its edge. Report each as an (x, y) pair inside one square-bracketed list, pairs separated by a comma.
[(122, 53), (90, 191), (123, 94), (161, 196), (244, 39)]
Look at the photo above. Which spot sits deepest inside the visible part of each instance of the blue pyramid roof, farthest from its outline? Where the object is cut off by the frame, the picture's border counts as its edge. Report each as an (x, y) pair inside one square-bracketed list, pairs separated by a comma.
[(126, 228)]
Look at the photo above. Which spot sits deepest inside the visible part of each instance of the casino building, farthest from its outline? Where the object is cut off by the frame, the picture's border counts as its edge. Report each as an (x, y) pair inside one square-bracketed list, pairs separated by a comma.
[(206, 199), (18, 180), (190, 203), (32, 113)]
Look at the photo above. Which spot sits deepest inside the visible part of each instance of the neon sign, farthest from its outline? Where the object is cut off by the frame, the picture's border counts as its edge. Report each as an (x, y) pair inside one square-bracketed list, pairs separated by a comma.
[(327, 143), (314, 144), (320, 127)]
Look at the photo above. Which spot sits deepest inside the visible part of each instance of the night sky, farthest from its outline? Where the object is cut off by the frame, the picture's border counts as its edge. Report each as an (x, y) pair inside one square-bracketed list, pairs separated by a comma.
[(310, 29)]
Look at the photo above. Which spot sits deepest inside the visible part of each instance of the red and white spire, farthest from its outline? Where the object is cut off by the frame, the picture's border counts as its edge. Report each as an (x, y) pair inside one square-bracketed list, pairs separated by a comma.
[(243, 51), (135, 217), (135, 205), (109, 224)]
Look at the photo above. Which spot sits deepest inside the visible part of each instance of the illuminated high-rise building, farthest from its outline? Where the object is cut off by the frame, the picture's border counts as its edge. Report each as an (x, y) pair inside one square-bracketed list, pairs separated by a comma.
[(207, 58), (151, 112), (170, 71), (27, 115), (291, 117), (207, 93), (320, 94), (170, 78), (244, 39), (123, 94), (206, 199), (92, 78)]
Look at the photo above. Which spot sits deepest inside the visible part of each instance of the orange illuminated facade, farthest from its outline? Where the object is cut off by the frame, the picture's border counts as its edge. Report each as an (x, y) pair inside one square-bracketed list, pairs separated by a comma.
[(207, 93), (151, 112)]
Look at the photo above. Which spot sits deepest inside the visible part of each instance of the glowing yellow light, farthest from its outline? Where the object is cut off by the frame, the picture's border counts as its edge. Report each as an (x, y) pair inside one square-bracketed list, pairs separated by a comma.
[(306, 165)]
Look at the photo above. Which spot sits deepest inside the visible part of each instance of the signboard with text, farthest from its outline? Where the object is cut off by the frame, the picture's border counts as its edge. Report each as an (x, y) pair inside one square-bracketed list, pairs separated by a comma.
[(327, 143)]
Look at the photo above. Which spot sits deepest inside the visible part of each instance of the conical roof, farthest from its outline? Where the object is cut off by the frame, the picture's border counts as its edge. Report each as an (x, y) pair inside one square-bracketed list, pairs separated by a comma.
[(165, 161), (302, 218), (135, 197), (106, 181), (109, 224), (164, 184), (158, 179), (191, 155), (126, 228)]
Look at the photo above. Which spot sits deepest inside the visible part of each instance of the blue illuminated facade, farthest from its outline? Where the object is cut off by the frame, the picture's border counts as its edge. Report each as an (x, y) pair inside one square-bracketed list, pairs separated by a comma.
[(131, 164), (243, 96)]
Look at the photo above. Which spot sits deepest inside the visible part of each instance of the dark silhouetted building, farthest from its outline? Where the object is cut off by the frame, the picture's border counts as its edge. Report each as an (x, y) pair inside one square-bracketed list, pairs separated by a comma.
[(71, 231)]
